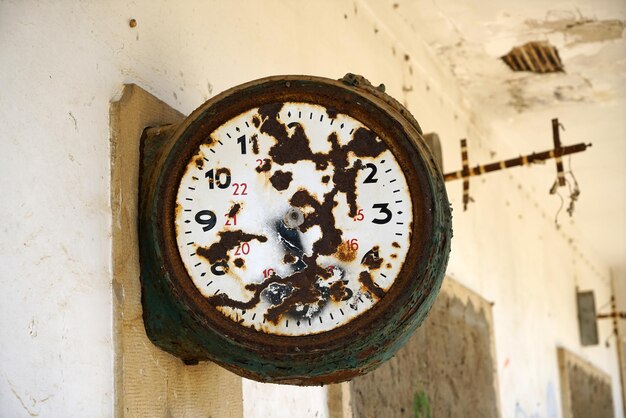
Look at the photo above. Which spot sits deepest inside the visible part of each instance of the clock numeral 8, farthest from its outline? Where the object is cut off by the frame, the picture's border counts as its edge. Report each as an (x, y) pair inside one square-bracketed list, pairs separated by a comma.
[(220, 268), (206, 218)]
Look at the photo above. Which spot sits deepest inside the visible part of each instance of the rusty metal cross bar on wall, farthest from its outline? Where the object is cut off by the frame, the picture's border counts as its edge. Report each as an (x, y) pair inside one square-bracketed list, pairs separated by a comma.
[(557, 153)]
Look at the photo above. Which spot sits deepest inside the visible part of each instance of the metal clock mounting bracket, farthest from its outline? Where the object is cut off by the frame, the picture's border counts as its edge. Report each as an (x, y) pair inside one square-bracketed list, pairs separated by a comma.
[(293, 229)]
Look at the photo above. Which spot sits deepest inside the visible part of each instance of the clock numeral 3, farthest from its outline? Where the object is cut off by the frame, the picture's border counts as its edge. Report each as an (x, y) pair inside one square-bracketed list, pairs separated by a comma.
[(206, 218), (219, 177), (384, 210)]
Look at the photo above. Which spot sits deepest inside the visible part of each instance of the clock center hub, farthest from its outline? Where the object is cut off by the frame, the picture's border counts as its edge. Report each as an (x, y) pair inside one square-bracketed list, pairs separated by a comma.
[(293, 218)]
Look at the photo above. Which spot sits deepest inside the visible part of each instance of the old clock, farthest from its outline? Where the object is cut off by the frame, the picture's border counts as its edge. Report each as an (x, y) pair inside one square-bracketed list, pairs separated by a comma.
[(293, 229)]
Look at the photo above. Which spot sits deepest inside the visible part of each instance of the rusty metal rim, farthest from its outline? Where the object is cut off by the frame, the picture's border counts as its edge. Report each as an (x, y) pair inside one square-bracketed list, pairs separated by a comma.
[(377, 115)]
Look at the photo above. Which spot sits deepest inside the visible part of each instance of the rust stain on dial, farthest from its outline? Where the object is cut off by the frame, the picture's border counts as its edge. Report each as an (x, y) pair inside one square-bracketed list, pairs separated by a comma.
[(229, 240), (281, 179)]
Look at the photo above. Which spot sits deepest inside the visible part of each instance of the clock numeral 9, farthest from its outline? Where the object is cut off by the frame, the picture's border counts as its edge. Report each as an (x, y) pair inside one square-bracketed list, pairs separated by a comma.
[(206, 218), (219, 177), (383, 208)]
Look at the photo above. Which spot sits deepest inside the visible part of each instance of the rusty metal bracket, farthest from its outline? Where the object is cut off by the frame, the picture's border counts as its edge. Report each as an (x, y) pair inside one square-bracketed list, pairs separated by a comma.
[(557, 153)]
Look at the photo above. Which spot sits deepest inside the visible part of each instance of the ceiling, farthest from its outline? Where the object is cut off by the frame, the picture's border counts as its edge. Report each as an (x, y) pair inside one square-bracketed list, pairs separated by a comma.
[(589, 97)]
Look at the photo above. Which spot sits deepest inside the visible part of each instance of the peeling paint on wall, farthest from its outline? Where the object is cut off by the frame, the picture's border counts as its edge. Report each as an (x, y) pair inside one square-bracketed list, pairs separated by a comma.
[(579, 29)]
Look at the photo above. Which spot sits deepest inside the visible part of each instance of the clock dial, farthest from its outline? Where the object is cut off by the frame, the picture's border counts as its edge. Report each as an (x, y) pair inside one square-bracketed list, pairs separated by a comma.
[(293, 219)]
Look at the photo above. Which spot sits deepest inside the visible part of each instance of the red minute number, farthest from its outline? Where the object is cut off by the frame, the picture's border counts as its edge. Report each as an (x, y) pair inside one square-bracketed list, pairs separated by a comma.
[(243, 249), (231, 218), (238, 192)]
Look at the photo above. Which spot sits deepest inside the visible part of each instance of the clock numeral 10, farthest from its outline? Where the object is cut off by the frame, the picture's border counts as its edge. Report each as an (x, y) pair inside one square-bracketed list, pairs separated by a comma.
[(268, 273), (219, 177)]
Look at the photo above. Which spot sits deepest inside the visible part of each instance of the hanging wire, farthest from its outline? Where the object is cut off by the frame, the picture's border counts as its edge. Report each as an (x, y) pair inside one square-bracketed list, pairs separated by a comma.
[(574, 189), (554, 190), (574, 192)]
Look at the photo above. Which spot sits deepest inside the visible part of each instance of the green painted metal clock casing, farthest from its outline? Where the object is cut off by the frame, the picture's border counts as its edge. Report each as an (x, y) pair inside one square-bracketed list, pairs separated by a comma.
[(182, 321)]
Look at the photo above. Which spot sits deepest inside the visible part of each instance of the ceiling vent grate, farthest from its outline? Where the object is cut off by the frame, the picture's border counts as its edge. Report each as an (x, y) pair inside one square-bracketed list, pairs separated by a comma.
[(538, 57)]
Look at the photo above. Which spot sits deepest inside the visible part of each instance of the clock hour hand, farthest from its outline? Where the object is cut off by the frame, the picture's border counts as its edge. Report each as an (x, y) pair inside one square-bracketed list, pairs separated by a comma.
[(290, 237)]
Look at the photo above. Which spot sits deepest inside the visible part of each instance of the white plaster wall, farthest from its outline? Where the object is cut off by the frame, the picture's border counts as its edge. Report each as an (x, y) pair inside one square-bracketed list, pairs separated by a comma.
[(61, 63)]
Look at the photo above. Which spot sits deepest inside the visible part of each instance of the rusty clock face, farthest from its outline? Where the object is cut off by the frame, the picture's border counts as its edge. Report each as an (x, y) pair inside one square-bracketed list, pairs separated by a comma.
[(292, 218)]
